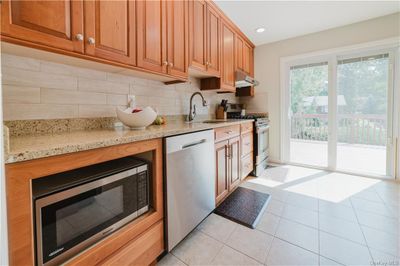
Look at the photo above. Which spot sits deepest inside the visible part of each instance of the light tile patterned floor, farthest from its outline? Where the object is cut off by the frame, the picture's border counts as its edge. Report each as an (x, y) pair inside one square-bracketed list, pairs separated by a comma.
[(314, 218)]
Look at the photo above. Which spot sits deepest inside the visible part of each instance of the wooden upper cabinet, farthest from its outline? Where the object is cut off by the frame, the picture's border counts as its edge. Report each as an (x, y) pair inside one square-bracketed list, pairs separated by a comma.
[(244, 55), (110, 30), (228, 58), (50, 23), (151, 35), (197, 34), (177, 40), (247, 58), (213, 58), (239, 53)]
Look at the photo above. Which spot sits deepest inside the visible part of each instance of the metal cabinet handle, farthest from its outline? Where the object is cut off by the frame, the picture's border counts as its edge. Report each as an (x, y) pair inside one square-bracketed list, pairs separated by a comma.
[(79, 37), (228, 153), (165, 63), (171, 64), (228, 132), (91, 40)]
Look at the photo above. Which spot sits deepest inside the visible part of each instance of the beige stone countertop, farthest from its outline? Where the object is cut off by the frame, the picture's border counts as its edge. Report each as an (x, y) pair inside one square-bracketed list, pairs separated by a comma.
[(25, 148)]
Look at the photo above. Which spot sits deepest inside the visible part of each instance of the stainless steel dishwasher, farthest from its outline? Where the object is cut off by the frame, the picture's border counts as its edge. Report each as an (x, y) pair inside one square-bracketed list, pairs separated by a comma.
[(190, 182)]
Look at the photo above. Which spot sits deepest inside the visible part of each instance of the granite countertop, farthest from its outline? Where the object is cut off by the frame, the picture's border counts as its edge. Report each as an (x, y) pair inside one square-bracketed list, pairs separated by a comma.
[(29, 147)]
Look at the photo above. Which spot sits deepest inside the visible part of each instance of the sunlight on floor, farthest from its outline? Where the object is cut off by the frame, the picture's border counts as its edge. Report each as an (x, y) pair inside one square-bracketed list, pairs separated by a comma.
[(329, 186), (351, 157)]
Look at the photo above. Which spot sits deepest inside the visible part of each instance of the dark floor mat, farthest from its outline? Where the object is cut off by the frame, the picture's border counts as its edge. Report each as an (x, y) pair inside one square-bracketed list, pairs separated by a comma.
[(244, 206)]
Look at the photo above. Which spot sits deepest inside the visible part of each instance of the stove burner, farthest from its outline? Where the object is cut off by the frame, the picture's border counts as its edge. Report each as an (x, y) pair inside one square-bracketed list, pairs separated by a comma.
[(237, 115)]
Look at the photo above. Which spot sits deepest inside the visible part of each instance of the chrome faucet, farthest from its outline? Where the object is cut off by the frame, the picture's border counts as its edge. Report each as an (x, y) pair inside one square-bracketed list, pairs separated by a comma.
[(192, 114)]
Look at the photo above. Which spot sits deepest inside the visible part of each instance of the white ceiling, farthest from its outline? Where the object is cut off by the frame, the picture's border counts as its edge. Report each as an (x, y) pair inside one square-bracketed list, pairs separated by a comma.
[(287, 19)]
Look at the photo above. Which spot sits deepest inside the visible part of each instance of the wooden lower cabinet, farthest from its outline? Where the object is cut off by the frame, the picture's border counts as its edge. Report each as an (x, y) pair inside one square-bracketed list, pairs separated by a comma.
[(222, 181), (229, 162), (234, 163), (140, 251), (137, 243), (247, 165)]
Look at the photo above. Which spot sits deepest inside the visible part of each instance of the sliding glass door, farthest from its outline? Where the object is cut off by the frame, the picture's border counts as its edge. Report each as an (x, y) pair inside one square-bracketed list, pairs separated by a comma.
[(309, 114), (363, 118), (340, 114)]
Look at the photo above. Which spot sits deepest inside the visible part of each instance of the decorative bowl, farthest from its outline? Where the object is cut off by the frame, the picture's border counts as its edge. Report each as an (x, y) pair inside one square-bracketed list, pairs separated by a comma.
[(139, 120)]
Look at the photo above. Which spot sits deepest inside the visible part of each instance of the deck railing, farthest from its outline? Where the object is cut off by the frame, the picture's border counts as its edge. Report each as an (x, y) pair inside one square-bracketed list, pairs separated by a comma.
[(367, 129)]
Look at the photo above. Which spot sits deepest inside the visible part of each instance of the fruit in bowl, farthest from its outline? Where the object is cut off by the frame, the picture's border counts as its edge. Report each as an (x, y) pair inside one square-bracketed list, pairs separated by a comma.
[(136, 110), (139, 119)]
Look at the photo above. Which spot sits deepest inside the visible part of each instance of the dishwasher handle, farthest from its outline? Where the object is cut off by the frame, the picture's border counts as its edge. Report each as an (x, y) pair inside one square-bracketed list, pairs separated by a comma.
[(188, 145)]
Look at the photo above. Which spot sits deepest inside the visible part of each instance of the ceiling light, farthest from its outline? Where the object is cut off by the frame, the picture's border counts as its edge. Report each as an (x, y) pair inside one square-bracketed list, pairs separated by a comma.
[(259, 30)]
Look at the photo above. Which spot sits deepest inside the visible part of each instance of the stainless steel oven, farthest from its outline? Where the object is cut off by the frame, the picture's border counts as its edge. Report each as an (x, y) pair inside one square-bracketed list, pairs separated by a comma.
[(77, 208), (261, 145)]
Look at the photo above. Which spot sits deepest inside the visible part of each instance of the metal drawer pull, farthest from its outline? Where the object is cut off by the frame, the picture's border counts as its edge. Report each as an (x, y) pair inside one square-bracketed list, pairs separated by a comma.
[(193, 144), (229, 132)]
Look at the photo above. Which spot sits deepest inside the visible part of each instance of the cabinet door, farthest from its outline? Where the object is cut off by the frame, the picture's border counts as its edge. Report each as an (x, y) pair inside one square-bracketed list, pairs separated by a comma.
[(234, 167), (247, 57), (177, 44), (213, 42), (49, 23), (197, 34), (111, 25), (239, 53), (228, 58), (222, 179), (151, 35)]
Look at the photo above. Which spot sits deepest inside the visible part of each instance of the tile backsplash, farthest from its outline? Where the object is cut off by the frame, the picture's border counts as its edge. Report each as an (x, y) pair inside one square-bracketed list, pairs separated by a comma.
[(38, 89)]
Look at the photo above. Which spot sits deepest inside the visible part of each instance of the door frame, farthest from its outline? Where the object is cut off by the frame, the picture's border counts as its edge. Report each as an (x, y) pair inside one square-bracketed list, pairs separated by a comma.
[(390, 46)]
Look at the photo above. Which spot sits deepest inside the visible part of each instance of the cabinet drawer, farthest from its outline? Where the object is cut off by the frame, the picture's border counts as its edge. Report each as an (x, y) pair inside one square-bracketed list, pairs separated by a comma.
[(226, 132), (247, 143), (246, 127), (247, 165), (141, 251)]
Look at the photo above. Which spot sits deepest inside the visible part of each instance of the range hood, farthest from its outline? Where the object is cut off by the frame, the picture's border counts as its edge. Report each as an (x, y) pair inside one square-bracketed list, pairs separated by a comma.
[(244, 80)]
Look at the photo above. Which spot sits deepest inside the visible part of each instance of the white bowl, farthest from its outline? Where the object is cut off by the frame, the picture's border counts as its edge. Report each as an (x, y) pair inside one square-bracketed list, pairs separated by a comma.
[(139, 120)]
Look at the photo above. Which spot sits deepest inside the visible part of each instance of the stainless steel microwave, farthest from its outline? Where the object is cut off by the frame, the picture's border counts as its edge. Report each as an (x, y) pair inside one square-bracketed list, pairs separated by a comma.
[(75, 209)]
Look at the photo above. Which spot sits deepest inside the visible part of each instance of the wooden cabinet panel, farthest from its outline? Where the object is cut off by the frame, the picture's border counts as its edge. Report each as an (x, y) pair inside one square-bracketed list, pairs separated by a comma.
[(239, 53), (151, 35), (213, 62), (234, 162), (246, 165), (224, 133), (197, 34), (246, 127), (35, 21), (247, 143), (222, 178), (247, 55), (244, 55), (177, 23), (111, 24), (140, 251), (228, 59)]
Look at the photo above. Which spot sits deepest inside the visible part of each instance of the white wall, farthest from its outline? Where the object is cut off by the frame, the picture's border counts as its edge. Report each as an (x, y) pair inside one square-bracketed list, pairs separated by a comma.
[(40, 89), (267, 63)]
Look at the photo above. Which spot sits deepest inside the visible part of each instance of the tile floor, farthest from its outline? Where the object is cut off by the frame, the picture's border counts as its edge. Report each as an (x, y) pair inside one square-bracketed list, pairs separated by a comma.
[(314, 218)]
